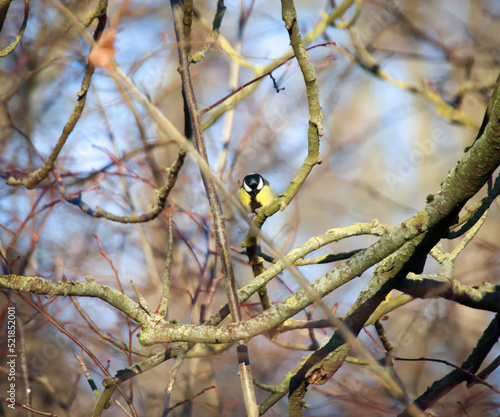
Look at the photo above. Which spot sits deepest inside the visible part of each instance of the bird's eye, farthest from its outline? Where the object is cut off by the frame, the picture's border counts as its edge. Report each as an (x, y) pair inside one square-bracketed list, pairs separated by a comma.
[(246, 187), (261, 184)]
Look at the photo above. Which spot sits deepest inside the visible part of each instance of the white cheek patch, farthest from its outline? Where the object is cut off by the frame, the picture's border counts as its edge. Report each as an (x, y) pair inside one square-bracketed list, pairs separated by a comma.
[(246, 187), (261, 184)]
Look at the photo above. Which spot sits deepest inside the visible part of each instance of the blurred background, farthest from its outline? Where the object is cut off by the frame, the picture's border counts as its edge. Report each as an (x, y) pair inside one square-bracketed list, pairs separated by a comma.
[(389, 140)]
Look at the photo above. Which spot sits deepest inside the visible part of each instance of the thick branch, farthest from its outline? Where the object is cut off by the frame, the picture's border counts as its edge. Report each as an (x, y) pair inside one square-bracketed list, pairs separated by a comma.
[(443, 386), (215, 207), (91, 288)]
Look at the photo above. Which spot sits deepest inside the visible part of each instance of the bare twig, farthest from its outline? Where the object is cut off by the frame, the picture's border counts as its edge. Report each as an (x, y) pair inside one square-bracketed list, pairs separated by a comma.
[(36, 177), (8, 49), (214, 33), (463, 373)]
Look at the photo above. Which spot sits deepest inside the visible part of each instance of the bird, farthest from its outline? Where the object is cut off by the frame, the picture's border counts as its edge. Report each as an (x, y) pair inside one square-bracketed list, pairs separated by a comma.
[(255, 192)]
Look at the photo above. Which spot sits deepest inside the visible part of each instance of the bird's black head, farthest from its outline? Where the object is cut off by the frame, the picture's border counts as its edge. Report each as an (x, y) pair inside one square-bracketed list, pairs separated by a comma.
[(253, 183)]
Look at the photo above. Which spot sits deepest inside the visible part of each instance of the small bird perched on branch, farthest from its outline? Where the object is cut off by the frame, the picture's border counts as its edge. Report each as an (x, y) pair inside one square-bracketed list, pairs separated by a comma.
[(255, 192)]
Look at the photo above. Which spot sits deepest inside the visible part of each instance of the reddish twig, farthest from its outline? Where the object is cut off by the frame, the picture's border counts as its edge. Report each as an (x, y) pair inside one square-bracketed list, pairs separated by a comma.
[(191, 399), (207, 109)]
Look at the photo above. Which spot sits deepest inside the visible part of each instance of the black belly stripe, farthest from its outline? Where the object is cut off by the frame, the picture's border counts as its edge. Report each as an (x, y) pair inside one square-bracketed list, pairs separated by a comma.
[(254, 205)]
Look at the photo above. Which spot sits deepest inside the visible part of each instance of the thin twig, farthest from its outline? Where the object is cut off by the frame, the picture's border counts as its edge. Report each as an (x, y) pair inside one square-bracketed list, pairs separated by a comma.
[(8, 49), (33, 179)]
